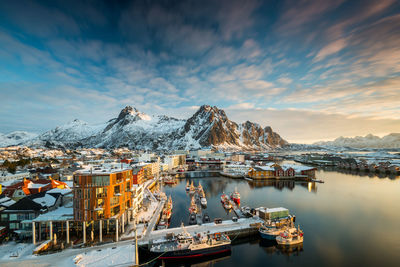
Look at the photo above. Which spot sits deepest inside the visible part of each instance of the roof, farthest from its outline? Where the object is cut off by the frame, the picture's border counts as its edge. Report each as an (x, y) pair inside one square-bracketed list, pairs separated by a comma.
[(269, 210), (59, 214), (35, 185), (25, 204), (103, 170), (6, 201), (270, 167), (59, 191), (47, 200)]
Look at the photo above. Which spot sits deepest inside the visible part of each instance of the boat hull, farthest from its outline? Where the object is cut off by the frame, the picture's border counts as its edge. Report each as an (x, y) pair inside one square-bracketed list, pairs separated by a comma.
[(186, 253), (267, 236), (236, 200), (282, 242)]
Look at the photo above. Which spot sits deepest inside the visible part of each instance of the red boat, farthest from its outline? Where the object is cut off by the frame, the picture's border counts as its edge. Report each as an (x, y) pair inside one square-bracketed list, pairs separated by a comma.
[(223, 197), (235, 196)]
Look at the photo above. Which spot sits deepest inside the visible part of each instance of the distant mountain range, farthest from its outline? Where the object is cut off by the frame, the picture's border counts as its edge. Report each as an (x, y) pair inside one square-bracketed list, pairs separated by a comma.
[(369, 141), (208, 127)]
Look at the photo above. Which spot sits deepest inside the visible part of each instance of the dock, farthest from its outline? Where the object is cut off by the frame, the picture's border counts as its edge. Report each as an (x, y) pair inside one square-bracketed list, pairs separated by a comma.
[(243, 227), (154, 220)]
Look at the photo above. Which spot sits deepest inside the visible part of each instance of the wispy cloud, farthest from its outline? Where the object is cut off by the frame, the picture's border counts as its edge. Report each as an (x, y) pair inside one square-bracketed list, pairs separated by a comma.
[(316, 58)]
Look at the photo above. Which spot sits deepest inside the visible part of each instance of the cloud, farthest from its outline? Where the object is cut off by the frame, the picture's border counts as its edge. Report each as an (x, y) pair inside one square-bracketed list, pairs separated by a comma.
[(285, 80), (297, 14), (39, 20), (306, 126), (330, 49), (241, 106)]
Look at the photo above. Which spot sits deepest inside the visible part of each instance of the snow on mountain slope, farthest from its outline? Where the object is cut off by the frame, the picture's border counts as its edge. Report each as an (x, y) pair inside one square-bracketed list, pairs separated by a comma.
[(71, 132), (369, 141), (137, 130), (208, 127), (16, 138)]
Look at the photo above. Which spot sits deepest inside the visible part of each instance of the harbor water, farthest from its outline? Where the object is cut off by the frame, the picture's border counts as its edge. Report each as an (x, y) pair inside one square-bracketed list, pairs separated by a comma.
[(352, 219)]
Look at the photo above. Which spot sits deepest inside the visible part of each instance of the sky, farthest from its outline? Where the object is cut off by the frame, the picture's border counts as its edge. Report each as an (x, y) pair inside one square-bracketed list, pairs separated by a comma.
[(312, 70)]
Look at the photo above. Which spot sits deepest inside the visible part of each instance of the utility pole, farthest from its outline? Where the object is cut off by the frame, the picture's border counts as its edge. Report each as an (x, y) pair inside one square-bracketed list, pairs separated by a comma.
[(136, 246)]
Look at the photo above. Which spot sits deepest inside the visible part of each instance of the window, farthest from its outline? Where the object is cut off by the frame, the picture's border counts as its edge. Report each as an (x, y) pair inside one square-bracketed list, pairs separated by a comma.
[(115, 210), (114, 201), (78, 193), (14, 226), (4, 217), (117, 189), (13, 217), (76, 180), (100, 192)]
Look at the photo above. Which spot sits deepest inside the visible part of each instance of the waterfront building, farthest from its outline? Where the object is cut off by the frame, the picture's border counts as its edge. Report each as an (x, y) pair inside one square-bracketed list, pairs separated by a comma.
[(137, 175), (276, 171), (236, 169), (101, 193), (175, 161), (105, 194)]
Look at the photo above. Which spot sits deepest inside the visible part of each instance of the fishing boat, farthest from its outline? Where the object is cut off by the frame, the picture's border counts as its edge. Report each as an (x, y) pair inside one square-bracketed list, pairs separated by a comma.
[(187, 186), (186, 246), (193, 206), (235, 196), (192, 188), (169, 180), (288, 238), (168, 208), (223, 197), (203, 201), (270, 233), (164, 223), (199, 188), (271, 230), (227, 205)]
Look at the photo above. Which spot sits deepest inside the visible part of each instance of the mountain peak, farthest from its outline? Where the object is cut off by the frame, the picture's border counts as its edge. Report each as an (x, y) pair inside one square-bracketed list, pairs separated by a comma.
[(213, 110), (133, 112)]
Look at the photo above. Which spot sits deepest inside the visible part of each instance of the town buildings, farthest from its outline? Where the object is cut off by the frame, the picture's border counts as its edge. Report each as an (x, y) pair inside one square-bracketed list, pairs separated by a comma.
[(276, 171)]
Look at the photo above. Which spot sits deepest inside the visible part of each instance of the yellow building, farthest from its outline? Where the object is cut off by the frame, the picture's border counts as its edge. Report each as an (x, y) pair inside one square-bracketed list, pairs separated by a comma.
[(261, 173)]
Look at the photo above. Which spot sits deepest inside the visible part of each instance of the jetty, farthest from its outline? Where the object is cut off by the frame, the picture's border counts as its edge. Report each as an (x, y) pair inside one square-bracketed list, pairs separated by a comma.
[(240, 228)]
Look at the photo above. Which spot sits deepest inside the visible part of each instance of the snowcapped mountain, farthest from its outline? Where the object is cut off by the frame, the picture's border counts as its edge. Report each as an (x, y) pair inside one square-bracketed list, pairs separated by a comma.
[(69, 134), (369, 141), (16, 138), (208, 127)]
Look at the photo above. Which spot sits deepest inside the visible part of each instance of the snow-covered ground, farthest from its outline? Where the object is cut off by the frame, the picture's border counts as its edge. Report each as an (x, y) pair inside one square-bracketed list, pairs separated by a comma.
[(121, 255), (12, 250)]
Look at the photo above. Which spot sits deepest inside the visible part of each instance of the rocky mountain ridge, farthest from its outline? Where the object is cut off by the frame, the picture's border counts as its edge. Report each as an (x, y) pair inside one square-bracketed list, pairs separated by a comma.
[(369, 141), (209, 127)]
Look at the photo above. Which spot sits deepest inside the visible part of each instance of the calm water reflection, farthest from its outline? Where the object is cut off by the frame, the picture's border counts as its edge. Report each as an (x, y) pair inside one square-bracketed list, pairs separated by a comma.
[(350, 220)]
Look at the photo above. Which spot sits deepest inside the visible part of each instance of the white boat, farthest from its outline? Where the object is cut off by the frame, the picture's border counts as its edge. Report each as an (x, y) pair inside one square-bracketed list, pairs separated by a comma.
[(187, 186), (288, 238), (227, 205), (203, 201)]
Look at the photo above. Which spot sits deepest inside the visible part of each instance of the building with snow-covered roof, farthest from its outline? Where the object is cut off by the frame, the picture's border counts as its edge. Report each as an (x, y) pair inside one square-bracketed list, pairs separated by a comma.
[(28, 208), (31, 186), (5, 176), (276, 171)]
